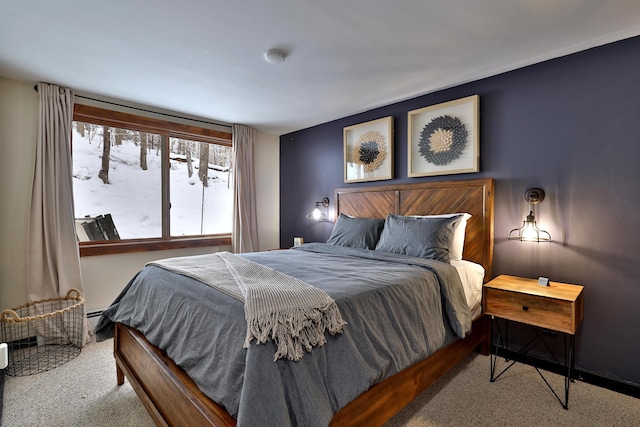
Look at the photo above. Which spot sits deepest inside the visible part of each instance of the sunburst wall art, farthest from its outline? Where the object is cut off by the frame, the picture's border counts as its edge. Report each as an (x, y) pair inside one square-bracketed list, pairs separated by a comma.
[(368, 151), (443, 138)]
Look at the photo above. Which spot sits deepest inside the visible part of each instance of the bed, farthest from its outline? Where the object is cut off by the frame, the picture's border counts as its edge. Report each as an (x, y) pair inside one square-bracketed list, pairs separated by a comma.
[(172, 397)]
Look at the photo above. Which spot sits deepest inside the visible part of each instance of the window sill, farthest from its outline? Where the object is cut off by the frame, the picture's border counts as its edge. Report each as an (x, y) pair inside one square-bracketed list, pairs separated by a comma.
[(111, 247)]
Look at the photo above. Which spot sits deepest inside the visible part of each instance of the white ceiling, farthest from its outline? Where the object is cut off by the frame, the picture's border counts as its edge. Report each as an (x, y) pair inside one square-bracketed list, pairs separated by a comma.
[(205, 57)]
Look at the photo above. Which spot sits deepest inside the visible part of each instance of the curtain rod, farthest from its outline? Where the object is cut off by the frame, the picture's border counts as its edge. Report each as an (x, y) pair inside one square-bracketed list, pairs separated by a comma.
[(147, 111)]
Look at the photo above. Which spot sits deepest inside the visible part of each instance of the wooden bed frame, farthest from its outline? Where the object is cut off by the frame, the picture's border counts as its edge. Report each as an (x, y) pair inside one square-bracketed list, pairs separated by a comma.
[(173, 399)]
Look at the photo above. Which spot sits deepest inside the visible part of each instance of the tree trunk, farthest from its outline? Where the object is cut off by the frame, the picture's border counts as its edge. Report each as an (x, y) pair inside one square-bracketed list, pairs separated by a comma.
[(106, 152), (189, 162), (144, 138), (203, 166), (92, 129), (119, 135)]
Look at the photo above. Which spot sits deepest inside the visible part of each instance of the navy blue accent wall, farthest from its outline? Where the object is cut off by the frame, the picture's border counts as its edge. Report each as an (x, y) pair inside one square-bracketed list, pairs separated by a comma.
[(569, 125)]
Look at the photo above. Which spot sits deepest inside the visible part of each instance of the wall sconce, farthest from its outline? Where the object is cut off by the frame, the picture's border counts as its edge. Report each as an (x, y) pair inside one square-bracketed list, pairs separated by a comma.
[(317, 213), (529, 232)]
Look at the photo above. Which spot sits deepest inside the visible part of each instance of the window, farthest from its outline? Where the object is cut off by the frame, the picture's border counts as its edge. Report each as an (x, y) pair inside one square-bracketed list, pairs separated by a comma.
[(144, 184), (200, 188)]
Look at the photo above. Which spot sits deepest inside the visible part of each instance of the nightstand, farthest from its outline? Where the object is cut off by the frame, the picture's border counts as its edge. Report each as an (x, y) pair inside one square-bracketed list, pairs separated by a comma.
[(557, 307)]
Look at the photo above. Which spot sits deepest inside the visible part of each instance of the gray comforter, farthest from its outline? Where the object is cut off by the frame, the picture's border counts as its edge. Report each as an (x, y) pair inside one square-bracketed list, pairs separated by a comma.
[(398, 310)]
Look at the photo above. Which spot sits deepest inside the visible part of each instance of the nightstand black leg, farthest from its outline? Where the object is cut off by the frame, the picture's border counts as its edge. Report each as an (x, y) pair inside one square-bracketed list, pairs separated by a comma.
[(493, 355), (569, 357), (570, 365)]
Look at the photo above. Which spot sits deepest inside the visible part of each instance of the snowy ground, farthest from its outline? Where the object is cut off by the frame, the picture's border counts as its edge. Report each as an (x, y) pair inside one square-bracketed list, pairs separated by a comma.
[(133, 195)]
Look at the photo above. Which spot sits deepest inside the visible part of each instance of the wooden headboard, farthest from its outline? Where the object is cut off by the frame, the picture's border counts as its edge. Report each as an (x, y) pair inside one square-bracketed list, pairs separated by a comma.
[(474, 196)]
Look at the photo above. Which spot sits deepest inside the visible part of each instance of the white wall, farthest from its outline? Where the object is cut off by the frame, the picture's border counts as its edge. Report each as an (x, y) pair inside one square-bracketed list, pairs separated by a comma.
[(106, 275), (267, 174), (103, 276), (18, 128)]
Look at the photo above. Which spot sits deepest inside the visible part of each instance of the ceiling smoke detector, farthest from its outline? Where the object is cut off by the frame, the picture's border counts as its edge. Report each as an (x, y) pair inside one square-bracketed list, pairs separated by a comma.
[(275, 56)]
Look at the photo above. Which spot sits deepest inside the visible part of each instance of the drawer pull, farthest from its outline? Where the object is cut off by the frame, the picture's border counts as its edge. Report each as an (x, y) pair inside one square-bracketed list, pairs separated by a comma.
[(525, 308)]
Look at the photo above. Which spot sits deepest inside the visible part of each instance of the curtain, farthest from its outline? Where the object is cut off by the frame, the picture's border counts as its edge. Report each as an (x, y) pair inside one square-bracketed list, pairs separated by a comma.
[(53, 261), (244, 236)]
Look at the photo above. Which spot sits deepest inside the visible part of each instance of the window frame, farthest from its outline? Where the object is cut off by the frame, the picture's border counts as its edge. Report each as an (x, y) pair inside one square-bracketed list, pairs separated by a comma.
[(167, 129)]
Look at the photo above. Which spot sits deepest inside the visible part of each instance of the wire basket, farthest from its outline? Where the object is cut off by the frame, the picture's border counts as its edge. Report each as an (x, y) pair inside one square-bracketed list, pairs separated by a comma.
[(44, 334)]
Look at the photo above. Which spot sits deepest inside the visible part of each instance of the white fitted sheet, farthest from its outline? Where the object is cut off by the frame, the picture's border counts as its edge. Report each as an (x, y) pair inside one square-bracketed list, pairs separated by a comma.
[(472, 277)]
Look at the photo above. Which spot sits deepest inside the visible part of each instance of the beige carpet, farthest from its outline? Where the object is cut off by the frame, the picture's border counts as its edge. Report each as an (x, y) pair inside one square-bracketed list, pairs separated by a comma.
[(466, 397), (83, 392)]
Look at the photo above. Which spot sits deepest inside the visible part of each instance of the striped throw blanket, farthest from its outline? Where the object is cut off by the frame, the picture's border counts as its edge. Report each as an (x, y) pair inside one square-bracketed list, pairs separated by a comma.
[(294, 314)]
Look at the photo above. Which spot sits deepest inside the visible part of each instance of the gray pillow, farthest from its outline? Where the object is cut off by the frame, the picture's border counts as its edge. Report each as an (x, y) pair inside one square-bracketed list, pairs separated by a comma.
[(356, 232), (422, 237)]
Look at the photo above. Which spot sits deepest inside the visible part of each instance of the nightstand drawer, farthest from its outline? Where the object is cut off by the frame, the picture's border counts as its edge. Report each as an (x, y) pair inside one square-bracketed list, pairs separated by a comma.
[(535, 310)]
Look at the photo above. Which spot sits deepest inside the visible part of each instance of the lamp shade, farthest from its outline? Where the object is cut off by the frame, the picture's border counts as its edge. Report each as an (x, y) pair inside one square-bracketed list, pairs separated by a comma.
[(529, 232), (317, 214)]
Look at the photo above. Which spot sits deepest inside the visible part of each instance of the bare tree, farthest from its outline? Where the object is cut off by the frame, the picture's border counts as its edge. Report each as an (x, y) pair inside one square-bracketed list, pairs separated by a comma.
[(87, 130), (120, 134), (144, 139), (106, 153), (203, 166), (189, 162), (221, 155)]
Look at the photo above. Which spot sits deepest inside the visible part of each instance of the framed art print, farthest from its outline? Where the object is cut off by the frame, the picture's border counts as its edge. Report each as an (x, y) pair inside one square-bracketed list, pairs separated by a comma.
[(444, 138), (368, 151)]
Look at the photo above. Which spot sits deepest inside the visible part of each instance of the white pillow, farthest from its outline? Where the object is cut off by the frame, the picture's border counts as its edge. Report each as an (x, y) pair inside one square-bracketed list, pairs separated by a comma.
[(457, 244)]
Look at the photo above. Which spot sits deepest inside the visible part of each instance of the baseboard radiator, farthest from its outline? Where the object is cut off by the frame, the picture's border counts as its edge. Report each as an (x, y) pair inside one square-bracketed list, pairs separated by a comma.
[(93, 317)]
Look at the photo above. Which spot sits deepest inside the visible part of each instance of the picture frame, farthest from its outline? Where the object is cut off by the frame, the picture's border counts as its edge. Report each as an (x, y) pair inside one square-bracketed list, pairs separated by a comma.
[(368, 151), (443, 139)]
